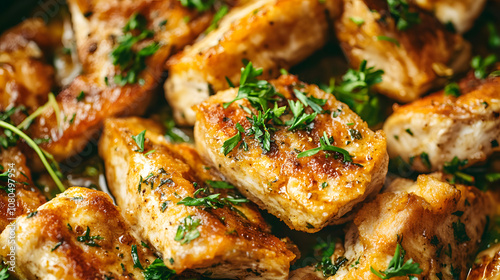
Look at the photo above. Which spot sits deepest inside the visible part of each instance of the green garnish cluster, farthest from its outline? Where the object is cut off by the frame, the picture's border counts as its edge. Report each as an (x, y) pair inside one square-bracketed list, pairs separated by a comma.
[(400, 11), (397, 266), (131, 62)]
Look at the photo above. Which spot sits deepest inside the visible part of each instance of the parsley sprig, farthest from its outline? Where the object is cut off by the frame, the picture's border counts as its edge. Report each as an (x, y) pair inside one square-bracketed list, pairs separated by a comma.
[(158, 271), (188, 230), (199, 5), (130, 62), (325, 145), (397, 266), (400, 11), (355, 90), (481, 65), (212, 201)]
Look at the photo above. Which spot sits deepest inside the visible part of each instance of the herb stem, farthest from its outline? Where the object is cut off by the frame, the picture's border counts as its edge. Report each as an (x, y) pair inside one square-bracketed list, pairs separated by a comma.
[(41, 153)]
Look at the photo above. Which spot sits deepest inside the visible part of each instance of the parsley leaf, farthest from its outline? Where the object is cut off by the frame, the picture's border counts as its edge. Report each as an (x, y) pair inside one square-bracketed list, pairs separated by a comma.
[(130, 62), (388, 39), (452, 89), (135, 258), (158, 271), (453, 167), (494, 38), (139, 140), (300, 119), (199, 5), (326, 146), (217, 18), (314, 103), (231, 143), (355, 91), (219, 184), (397, 268), (400, 11), (481, 65), (89, 240), (326, 266), (357, 20), (187, 230)]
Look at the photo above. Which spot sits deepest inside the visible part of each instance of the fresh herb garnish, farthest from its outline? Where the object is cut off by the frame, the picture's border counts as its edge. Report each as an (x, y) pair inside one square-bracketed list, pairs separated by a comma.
[(219, 184), (326, 266), (130, 62), (424, 157), (187, 230), (89, 240), (135, 258), (300, 119), (139, 140), (314, 103), (80, 96), (223, 10), (158, 271), (453, 168), (481, 65), (388, 39), (397, 267), (355, 90), (358, 21), (325, 145), (452, 89), (494, 38), (400, 11), (32, 214), (57, 246), (199, 5)]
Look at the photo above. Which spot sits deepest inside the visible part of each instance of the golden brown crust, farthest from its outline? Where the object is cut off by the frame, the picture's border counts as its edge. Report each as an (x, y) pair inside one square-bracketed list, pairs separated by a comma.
[(26, 197), (287, 186), (50, 236), (414, 65), (98, 25), (231, 244), (445, 126), (426, 218), (273, 34)]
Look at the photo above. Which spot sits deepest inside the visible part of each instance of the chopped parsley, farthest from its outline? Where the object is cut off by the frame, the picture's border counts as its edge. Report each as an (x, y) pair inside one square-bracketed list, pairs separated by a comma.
[(199, 5), (32, 214), (158, 271), (409, 131), (400, 11), (130, 62), (388, 39), (219, 184), (453, 167), (355, 90), (80, 96), (89, 240), (481, 65), (424, 157), (224, 9), (232, 142), (326, 266), (212, 201), (300, 119), (187, 230), (57, 246), (139, 140), (135, 258), (494, 36), (397, 267), (4, 273), (452, 89), (325, 145), (358, 21)]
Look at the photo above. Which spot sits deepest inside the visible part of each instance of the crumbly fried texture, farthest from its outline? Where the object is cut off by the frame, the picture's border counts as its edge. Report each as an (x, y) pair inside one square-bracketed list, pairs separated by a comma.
[(26, 197), (233, 242), (487, 265), (272, 34), (48, 246), (445, 126), (439, 225), (291, 188), (414, 64), (98, 25)]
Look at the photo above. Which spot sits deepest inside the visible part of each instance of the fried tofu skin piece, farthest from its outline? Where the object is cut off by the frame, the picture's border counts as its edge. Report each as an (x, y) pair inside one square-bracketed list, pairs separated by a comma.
[(461, 14), (25, 76), (413, 60), (94, 96), (79, 234), (442, 126), (273, 34), (307, 193), (18, 193), (439, 225), (231, 241)]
